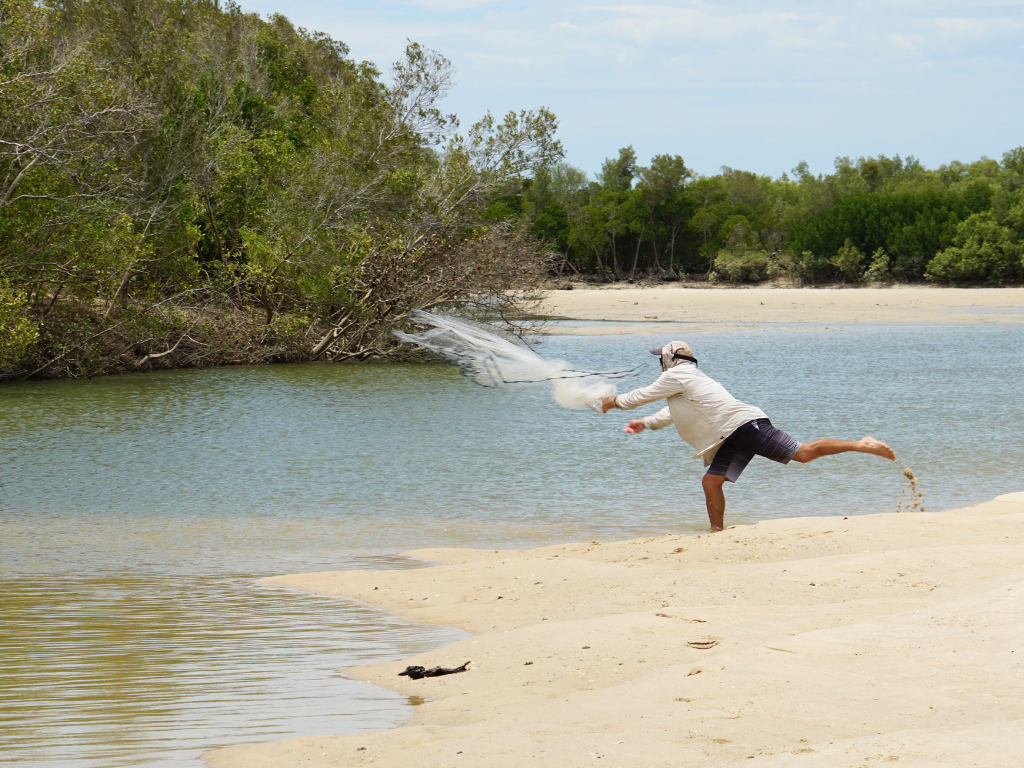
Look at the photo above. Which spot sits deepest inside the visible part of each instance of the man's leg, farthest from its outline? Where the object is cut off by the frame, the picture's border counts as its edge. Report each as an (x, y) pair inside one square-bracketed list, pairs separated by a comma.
[(715, 498), (817, 449)]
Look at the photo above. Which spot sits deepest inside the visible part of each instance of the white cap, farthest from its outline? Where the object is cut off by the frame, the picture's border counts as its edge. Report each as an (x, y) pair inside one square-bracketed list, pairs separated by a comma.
[(674, 353)]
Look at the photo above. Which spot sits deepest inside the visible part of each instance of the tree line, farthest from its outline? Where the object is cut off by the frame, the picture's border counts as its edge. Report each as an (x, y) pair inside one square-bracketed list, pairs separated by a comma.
[(184, 184), (875, 219)]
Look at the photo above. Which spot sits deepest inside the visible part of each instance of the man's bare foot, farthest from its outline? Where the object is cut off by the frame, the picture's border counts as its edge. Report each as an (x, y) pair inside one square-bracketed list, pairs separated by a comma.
[(877, 447)]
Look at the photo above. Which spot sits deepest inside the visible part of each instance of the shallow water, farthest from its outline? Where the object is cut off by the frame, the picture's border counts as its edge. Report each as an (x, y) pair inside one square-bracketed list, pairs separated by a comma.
[(135, 512), (147, 670)]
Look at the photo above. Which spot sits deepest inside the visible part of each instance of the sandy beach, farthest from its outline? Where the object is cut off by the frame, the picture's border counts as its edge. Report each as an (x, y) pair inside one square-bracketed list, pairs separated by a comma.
[(695, 307), (794, 642), (805, 641)]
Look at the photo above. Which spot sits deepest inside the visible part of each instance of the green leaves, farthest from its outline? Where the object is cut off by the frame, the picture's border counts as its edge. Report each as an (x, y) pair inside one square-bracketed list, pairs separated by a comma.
[(178, 165), (878, 270), (17, 330), (984, 251), (849, 262)]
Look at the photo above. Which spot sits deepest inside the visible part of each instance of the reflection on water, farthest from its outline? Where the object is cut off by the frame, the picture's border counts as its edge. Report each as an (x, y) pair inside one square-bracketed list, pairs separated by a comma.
[(126, 670), (136, 511)]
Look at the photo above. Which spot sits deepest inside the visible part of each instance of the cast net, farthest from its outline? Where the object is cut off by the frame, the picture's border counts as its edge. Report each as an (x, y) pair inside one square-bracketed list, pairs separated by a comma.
[(494, 359)]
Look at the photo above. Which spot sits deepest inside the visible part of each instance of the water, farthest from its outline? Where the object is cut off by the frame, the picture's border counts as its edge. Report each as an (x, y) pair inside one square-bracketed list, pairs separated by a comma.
[(136, 511), (148, 670)]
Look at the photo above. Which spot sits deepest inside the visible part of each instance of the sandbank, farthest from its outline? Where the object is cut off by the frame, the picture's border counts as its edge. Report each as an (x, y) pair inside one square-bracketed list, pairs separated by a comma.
[(805, 641), (712, 307)]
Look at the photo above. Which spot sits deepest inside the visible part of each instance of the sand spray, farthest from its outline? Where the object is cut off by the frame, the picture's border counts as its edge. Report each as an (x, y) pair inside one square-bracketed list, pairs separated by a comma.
[(914, 500)]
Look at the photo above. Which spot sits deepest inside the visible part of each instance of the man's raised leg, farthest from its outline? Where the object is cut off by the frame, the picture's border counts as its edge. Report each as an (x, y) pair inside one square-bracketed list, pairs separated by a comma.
[(817, 449), (715, 498)]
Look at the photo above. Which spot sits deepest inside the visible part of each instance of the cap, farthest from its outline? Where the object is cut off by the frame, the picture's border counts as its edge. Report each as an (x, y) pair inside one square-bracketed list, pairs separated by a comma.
[(674, 353)]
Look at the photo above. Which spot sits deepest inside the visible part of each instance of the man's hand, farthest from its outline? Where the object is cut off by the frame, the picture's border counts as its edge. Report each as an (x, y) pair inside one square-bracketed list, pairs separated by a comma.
[(608, 404), (635, 427)]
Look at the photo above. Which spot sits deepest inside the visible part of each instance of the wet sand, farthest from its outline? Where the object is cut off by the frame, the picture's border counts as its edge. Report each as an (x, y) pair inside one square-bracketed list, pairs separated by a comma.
[(697, 306), (805, 641)]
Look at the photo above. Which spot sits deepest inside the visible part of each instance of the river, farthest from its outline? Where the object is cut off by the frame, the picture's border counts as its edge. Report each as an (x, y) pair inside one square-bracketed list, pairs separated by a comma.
[(136, 511)]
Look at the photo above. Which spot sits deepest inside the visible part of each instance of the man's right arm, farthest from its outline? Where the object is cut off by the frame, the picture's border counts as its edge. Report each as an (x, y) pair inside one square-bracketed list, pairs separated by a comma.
[(664, 386)]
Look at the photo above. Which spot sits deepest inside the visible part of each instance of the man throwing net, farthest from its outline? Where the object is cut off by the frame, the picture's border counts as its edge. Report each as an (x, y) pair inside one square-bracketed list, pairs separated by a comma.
[(726, 433)]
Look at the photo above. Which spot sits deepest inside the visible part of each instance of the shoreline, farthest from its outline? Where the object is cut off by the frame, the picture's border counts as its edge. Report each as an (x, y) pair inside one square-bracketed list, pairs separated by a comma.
[(689, 307), (798, 641), (713, 308)]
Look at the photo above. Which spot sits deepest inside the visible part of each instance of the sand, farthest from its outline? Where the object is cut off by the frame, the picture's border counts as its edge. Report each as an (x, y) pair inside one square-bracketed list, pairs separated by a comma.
[(710, 308), (808, 641)]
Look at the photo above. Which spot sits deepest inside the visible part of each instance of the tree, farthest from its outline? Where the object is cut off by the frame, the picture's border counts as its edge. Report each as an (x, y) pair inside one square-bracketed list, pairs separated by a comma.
[(635, 214), (711, 208), (849, 262), (665, 181), (17, 330), (983, 250), (553, 203), (1013, 168), (878, 271), (187, 184), (617, 174)]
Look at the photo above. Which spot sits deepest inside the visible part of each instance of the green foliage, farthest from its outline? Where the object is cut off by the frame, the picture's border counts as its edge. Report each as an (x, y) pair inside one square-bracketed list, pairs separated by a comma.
[(878, 270), (811, 268), (849, 262), (177, 170), (909, 227), (1015, 218), (983, 251), (617, 175), (17, 331), (157, 155), (657, 219), (741, 266), (813, 228)]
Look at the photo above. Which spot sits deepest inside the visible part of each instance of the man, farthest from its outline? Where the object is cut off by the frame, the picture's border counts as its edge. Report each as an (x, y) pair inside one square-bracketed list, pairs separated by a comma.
[(726, 433)]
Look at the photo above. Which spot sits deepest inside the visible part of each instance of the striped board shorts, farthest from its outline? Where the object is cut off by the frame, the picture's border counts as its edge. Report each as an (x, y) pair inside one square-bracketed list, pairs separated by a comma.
[(755, 438)]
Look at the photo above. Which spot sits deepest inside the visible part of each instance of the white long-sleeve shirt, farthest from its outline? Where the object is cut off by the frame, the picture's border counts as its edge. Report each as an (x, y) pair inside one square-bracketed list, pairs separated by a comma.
[(704, 413)]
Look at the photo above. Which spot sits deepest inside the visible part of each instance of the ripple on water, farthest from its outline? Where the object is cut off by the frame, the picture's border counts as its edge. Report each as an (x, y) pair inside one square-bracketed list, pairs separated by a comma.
[(136, 511), (154, 670)]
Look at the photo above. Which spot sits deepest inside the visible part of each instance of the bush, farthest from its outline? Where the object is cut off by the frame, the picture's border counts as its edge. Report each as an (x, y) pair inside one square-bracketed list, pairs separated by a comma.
[(17, 331), (780, 264), (848, 261), (878, 271), (742, 265), (983, 250), (811, 268)]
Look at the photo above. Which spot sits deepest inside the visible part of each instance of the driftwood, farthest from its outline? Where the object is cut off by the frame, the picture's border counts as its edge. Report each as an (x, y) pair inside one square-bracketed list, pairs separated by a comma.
[(415, 673)]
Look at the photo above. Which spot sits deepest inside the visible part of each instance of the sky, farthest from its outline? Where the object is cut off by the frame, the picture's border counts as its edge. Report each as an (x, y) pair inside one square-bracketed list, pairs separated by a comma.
[(758, 86)]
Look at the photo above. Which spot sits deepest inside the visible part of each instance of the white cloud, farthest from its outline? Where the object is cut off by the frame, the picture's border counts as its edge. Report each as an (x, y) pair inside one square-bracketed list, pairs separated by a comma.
[(765, 83)]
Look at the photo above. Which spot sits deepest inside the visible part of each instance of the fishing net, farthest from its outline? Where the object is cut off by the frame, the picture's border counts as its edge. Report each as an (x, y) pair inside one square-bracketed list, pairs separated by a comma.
[(493, 358)]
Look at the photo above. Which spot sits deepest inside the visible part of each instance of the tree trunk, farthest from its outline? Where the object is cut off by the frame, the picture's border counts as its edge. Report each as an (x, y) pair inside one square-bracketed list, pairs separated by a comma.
[(565, 261), (616, 272), (672, 251), (122, 290), (268, 308), (636, 257)]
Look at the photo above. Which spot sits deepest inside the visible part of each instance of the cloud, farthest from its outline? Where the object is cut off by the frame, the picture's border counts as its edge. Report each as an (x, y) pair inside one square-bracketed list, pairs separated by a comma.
[(793, 79)]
